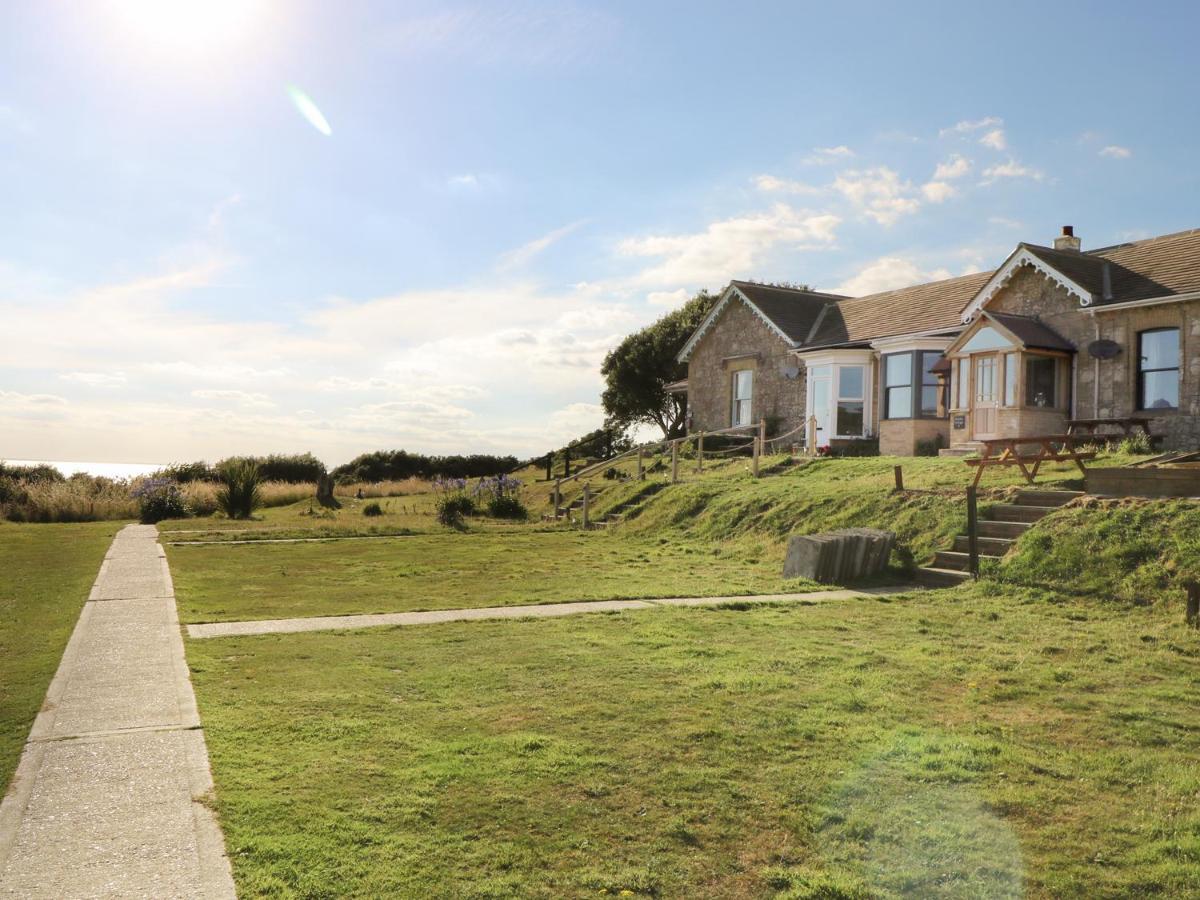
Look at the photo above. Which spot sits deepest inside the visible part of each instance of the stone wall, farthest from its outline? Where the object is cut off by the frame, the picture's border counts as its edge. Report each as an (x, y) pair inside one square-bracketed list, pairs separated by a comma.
[(1108, 388), (740, 339), (899, 437)]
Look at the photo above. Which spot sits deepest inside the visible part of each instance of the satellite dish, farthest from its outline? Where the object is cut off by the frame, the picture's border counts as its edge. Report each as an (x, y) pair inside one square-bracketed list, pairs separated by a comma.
[(790, 372), (1104, 349)]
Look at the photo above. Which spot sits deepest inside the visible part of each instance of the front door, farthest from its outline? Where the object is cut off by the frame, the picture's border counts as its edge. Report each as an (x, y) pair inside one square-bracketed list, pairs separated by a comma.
[(986, 396), (820, 381)]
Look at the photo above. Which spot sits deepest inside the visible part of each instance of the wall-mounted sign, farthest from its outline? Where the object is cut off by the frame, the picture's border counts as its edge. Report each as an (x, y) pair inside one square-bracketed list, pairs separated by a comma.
[(1104, 349), (960, 421)]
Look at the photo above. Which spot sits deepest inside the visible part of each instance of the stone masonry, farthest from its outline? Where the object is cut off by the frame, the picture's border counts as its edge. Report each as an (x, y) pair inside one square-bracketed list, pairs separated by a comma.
[(740, 339)]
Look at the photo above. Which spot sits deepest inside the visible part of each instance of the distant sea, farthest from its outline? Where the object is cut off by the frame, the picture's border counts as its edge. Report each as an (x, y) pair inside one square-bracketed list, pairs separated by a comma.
[(108, 470)]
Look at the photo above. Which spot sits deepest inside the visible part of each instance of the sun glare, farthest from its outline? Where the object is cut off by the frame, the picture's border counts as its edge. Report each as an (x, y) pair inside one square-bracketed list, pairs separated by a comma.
[(188, 26)]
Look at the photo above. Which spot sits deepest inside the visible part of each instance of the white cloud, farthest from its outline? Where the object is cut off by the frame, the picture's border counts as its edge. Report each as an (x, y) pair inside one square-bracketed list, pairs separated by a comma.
[(1002, 222), (938, 191), (1011, 169), (878, 192), (577, 419), (730, 247), (15, 399), (1113, 151), (772, 184), (467, 181), (237, 398), (826, 156), (669, 299), (888, 273), (95, 379), (966, 126), (527, 252), (995, 139), (955, 166)]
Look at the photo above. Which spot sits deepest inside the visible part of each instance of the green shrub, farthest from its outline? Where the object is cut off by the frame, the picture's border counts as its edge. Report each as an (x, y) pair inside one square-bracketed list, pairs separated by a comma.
[(158, 499), (372, 509), (451, 508), (507, 507), (239, 495), (1136, 444)]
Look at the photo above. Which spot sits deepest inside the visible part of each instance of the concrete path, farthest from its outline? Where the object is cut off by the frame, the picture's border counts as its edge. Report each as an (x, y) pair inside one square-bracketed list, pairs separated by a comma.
[(106, 799), (535, 611)]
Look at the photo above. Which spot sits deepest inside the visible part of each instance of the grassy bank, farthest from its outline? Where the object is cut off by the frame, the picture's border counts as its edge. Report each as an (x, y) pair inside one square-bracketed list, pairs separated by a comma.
[(988, 743), (452, 571), (46, 572)]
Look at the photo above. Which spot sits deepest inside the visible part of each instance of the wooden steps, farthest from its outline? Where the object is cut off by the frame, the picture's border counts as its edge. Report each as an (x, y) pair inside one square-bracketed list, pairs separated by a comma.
[(996, 535)]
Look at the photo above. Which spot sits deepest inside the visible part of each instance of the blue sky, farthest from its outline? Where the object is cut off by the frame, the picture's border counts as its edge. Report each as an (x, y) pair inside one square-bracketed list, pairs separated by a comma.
[(188, 268)]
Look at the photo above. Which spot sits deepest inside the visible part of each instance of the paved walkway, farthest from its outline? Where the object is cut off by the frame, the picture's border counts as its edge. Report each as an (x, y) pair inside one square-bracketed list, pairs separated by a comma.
[(105, 801), (536, 611)]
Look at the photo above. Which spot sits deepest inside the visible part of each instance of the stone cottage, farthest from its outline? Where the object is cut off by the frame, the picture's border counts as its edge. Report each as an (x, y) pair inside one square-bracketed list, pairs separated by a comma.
[(1054, 334)]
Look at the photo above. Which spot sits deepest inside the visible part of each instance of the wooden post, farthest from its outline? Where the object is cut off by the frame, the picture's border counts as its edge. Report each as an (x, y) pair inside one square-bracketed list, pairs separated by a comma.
[(1193, 603), (762, 432), (641, 464), (756, 443), (557, 497), (549, 466), (586, 500), (675, 462), (899, 472), (567, 462), (810, 444), (700, 453), (972, 532)]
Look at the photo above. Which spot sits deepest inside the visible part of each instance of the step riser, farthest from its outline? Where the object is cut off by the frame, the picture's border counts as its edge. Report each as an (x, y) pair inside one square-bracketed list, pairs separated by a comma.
[(1010, 530), (1046, 498), (1007, 512), (949, 559), (934, 578), (986, 546)]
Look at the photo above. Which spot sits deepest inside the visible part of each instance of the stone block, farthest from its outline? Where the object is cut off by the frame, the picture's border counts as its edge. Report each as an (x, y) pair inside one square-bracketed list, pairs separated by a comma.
[(838, 557)]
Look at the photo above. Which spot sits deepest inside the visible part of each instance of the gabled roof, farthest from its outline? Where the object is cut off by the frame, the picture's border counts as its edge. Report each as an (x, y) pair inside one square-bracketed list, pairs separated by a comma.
[(789, 312), (921, 309), (1156, 268), (1025, 331)]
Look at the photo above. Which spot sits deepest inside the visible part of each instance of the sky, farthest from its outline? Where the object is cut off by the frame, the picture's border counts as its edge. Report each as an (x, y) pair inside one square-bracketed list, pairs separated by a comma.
[(268, 226)]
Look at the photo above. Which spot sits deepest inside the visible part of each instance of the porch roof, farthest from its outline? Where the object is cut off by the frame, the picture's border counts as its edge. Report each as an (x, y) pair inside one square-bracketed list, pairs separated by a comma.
[(1025, 332)]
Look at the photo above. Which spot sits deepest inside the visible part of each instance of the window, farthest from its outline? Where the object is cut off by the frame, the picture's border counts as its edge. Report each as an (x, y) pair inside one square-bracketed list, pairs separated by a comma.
[(929, 383), (1158, 369), (850, 401), (986, 338), (1011, 371), (962, 380), (897, 386), (743, 390), (1041, 381)]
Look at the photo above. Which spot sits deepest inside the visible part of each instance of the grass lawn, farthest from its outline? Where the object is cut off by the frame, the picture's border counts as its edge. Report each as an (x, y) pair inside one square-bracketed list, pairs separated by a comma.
[(46, 572), (453, 571), (992, 741)]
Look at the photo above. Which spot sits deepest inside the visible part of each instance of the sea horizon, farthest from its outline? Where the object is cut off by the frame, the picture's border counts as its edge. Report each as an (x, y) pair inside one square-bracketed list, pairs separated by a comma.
[(105, 469)]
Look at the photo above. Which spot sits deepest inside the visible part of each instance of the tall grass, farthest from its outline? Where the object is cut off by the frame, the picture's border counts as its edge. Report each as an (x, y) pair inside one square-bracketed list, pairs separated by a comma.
[(402, 487), (240, 493), (73, 500)]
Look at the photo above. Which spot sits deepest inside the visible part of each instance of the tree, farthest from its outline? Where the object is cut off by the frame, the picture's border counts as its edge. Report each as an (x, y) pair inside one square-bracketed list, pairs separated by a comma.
[(637, 372)]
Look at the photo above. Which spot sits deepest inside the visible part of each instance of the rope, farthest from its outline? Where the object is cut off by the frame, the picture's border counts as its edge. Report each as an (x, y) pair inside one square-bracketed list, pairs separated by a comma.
[(780, 437)]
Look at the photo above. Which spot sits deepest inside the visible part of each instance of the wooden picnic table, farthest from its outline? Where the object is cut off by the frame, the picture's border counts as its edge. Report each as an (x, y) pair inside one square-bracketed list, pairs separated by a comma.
[(1007, 451), (1127, 424)]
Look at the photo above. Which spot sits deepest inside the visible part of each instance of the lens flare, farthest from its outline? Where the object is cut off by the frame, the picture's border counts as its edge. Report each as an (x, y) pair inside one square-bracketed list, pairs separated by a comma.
[(308, 109)]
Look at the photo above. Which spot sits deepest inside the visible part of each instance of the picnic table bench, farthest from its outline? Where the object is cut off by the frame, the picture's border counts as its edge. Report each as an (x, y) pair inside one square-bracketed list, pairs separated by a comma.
[(1007, 452), (1127, 424)]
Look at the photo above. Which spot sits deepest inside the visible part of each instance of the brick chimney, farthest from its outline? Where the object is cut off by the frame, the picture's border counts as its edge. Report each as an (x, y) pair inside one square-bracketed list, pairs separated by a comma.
[(1067, 240)]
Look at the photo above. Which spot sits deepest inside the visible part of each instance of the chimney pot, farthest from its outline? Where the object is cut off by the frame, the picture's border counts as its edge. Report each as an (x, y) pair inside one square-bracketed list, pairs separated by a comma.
[(1067, 240)]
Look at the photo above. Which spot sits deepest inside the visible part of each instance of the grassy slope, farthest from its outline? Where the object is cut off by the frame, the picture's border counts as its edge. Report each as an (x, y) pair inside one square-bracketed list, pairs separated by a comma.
[(949, 745), (45, 574), (448, 571)]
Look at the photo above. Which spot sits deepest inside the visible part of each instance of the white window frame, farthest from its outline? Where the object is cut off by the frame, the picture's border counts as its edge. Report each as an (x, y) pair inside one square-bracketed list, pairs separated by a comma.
[(736, 400), (837, 360)]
